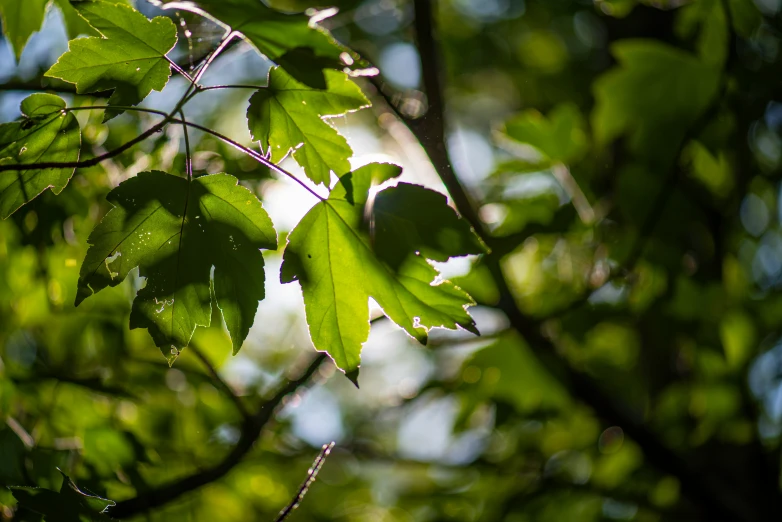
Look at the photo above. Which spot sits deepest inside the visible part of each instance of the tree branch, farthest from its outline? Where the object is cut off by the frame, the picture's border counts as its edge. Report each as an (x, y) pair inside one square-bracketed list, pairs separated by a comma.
[(430, 129), (703, 490), (312, 474), (221, 384), (251, 430)]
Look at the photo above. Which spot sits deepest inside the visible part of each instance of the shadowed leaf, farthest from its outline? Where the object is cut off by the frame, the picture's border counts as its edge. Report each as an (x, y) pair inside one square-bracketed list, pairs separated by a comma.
[(45, 134), (175, 231)]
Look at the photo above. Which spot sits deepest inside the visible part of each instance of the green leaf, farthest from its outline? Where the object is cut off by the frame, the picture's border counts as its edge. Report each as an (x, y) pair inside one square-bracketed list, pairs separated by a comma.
[(409, 218), (21, 20), (45, 134), (559, 138), (745, 16), (288, 116), (130, 58), (290, 40), (175, 231), (331, 254), (70, 504), (709, 16), (12, 453), (654, 108), (75, 25)]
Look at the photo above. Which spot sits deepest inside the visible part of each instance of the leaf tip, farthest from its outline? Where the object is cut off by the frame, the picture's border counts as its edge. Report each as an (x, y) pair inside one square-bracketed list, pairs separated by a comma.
[(172, 355), (353, 377)]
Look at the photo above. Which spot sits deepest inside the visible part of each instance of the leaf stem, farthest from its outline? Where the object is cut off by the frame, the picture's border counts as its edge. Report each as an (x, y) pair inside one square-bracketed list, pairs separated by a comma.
[(254, 154), (230, 36), (169, 117), (89, 162), (178, 69), (118, 107), (216, 87), (188, 156)]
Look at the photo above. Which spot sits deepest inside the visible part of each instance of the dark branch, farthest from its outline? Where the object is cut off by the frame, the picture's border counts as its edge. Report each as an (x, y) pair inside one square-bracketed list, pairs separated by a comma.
[(430, 130), (221, 384), (92, 161), (251, 430), (718, 503)]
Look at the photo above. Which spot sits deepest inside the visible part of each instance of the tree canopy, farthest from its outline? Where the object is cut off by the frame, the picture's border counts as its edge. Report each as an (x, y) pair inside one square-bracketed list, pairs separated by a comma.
[(458, 260)]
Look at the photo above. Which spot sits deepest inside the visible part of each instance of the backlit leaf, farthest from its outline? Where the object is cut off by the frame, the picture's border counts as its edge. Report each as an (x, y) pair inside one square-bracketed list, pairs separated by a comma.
[(129, 58), (21, 20), (45, 134), (175, 231), (288, 116), (331, 254)]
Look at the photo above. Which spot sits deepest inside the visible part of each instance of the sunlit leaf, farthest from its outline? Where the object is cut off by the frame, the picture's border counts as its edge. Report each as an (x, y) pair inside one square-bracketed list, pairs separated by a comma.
[(45, 134), (129, 59), (176, 231), (288, 116), (21, 20), (331, 254)]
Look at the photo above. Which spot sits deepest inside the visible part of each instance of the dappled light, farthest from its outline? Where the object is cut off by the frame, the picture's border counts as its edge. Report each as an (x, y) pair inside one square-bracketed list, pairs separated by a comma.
[(390, 260)]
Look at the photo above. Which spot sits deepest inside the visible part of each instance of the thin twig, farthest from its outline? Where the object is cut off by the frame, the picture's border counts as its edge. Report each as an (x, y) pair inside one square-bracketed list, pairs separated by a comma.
[(189, 93), (168, 119), (312, 474), (188, 156), (220, 48), (117, 107), (226, 389), (215, 87), (179, 69), (89, 162)]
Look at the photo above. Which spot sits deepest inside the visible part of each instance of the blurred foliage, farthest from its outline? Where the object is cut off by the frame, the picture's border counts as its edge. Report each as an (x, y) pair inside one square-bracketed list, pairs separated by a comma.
[(625, 158)]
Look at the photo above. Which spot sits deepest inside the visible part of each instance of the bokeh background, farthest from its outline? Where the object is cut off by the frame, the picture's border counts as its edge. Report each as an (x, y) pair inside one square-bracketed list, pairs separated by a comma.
[(633, 203)]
